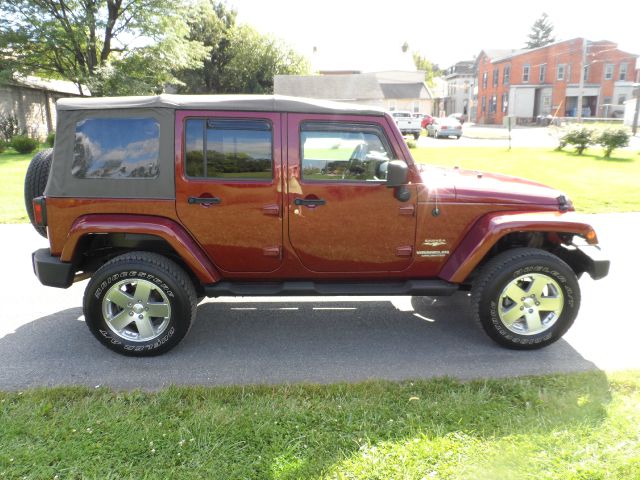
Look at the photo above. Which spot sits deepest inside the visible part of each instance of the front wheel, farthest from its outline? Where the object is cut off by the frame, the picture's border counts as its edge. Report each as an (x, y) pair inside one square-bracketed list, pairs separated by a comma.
[(140, 304), (526, 298)]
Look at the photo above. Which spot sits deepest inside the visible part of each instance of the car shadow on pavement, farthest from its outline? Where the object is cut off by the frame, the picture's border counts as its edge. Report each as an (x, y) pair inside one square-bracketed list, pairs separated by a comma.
[(266, 341)]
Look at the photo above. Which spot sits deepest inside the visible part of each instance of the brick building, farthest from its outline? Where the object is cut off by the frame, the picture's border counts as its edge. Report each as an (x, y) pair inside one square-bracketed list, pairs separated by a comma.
[(545, 81)]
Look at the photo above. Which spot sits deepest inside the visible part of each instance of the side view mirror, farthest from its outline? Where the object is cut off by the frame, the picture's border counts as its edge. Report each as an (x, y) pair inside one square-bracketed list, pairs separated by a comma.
[(397, 176), (397, 173)]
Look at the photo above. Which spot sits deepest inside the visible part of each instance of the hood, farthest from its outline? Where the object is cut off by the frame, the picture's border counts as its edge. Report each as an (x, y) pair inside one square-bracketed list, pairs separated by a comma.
[(472, 186)]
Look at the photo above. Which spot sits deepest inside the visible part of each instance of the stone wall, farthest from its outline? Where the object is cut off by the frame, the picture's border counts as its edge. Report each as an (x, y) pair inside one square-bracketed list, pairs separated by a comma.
[(35, 109)]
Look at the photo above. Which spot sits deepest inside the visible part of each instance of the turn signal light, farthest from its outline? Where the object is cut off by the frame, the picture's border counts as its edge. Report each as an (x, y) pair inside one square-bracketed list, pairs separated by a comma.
[(591, 237), (40, 211)]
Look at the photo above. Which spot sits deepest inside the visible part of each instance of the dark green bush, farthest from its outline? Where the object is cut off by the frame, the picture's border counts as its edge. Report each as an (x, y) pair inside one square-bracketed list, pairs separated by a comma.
[(411, 143), (51, 138), (613, 138), (579, 137), (24, 144), (9, 127), (3, 145)]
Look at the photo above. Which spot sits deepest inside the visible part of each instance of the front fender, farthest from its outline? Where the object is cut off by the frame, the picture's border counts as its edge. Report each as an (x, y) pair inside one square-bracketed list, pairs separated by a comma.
[(486, 232), (168, 230)]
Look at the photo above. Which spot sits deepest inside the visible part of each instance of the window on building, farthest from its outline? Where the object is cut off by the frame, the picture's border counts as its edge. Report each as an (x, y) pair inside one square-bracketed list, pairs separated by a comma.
[(496, 77), (585, 73), (560, 71), (493, 104), (543, 73), (484, 104), (526, 71), (505, 103), (351, 152), (608, 71), (228, 148), (116, 148), (485, 78), (506, 75), (623, 72)]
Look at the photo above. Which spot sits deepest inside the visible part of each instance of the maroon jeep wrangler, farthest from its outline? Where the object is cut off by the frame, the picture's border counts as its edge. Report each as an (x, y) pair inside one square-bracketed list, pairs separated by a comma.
[(164, 200)]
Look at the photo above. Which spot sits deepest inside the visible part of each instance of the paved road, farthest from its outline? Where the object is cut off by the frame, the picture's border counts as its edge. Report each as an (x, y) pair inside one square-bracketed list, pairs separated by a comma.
[(43, 339)]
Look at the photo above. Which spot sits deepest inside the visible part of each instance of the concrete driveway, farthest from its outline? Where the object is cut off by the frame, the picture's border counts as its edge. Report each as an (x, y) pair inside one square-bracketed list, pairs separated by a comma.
[(44, 342)]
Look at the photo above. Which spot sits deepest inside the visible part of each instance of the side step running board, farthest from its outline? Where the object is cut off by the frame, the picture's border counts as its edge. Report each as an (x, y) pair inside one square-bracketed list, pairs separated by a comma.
[(290, 288)]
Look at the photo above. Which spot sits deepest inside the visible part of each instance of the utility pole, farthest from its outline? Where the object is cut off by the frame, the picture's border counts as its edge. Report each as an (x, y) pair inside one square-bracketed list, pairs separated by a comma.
[(636, 91), (581, 84), (635, 115)]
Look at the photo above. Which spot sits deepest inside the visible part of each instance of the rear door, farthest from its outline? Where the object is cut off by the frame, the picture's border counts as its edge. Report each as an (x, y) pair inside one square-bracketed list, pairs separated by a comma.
[(343, 217), (228, 187)]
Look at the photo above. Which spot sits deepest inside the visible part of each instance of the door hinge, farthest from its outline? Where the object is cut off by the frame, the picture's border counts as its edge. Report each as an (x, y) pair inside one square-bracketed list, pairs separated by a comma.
[(405, 251), (408, 210), (271, 209), (275, 252)]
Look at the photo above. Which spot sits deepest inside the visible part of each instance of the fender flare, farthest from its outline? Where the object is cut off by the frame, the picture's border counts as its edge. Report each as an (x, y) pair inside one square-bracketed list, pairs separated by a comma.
[(174, 234), (486, 232)]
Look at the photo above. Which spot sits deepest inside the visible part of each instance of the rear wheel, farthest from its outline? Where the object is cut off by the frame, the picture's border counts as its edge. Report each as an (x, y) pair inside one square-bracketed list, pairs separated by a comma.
[(140, 304), (526, 298), (35, 182)]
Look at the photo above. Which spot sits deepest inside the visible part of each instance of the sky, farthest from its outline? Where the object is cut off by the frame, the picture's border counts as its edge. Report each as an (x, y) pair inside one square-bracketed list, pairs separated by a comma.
[(368, 35)]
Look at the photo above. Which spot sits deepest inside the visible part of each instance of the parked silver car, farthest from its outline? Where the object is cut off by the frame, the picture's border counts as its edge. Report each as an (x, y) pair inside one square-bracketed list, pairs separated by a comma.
[(444, 127)]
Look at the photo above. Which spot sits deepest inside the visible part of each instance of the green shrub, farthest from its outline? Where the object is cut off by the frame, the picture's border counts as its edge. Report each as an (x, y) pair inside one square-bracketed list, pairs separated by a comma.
[(613, 138), (51, 138), (24, 144), (9, 127), (3, 145), (411, 144), (579, 137)]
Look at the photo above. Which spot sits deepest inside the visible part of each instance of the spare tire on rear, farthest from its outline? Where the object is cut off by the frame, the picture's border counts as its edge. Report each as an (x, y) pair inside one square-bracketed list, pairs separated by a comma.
[(35, 182)]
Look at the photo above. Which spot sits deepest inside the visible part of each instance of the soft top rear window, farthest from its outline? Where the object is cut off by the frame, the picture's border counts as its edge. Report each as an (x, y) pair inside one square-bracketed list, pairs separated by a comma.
[(116, 148)]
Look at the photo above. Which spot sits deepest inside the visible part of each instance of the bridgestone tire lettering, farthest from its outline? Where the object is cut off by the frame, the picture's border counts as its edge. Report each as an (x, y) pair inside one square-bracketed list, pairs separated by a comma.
[(507, 266), (162, 272)]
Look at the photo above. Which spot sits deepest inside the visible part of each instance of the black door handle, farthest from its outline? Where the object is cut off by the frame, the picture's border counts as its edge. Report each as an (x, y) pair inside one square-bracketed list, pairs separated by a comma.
[(203, 200), (311, 202)]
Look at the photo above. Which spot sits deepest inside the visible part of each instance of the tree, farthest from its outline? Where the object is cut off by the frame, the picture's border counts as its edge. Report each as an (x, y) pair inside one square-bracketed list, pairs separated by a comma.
[(241, 60), (430, 70), (541, 33), (114, 46)]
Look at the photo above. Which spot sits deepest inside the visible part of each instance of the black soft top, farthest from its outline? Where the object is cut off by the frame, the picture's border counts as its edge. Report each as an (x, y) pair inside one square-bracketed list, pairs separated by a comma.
[(260, 103)]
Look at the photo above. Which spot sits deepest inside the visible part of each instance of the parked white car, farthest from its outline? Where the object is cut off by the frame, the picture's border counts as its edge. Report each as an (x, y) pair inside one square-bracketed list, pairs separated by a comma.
[(444, 127)]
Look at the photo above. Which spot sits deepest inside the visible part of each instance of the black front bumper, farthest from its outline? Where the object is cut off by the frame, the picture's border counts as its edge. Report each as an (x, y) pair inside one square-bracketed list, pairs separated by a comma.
[(593, 261), (51, 271)]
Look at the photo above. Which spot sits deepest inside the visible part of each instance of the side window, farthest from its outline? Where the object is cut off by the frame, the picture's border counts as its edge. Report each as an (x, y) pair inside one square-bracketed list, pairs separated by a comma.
[(116, 148), (228, 148), (333, 152)]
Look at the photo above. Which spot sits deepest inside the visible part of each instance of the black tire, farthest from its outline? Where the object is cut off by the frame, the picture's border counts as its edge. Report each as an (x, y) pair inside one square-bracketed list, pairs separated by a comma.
[(35, 182), (166, 283), (416, 136), (525, 270)]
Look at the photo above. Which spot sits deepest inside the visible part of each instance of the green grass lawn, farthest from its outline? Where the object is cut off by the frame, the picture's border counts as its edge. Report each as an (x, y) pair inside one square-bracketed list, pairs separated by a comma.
[(579, 426), (594, 184), (13, 168)]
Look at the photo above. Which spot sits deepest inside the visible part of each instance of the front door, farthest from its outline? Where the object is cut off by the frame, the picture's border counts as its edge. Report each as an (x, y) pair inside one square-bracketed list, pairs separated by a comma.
[(342, 216), (228, 187)]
